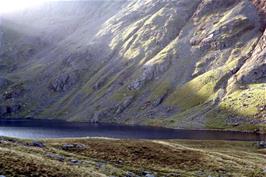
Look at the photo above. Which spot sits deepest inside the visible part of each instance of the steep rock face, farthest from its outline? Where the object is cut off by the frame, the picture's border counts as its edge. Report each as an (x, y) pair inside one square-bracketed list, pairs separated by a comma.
[(254, 69), (261, 7), (172, 63)]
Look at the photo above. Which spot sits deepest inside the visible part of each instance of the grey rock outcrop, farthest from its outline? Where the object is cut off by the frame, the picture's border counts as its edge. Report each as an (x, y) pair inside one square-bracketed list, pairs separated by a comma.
[(4, 82), (255, 67), (63, 82)]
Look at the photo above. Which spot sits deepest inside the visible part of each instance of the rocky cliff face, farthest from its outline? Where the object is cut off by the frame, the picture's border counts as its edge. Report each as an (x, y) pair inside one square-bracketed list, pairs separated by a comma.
[(190, 64)]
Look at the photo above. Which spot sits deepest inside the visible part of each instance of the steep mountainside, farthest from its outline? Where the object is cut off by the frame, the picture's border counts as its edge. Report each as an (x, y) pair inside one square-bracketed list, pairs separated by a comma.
[(188, 64)]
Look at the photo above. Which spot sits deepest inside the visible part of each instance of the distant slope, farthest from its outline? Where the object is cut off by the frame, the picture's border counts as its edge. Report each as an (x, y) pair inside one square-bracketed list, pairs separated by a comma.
[(186, 64)]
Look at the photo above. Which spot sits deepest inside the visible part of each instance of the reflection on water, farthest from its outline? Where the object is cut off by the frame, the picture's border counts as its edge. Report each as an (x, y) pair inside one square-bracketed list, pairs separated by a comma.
[(21, 128)]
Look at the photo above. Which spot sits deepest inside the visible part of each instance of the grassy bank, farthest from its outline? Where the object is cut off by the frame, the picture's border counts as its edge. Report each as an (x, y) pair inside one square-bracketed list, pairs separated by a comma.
[(111, 157)]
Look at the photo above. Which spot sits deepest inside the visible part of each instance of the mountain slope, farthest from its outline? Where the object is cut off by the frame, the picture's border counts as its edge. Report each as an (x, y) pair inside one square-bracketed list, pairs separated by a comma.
[(189, 64)]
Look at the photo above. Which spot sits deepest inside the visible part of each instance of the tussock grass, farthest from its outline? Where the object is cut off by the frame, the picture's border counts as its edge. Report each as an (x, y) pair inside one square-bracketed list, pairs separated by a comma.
[(117, 157)]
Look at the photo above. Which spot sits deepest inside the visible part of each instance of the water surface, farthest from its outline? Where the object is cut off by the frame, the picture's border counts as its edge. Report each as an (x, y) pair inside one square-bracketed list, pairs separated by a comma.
[(28, 128)]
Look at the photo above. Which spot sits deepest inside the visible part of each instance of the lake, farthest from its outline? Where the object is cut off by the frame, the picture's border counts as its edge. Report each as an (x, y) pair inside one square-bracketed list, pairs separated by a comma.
[(34, 129)]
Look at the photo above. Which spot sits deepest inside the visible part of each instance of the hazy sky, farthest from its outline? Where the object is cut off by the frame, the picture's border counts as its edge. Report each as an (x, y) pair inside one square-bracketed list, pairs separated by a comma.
[(10, 6)]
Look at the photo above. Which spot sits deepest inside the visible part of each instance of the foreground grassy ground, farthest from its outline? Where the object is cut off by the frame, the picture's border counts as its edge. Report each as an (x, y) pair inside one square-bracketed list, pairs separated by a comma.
[(112, 157)]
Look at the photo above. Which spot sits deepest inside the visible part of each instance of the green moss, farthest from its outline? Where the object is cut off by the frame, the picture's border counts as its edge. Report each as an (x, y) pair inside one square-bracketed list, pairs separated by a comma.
[(216, 120), (245, 102), (123, 92), (159, 89), (200, 89), (196, 91), (251, 127)]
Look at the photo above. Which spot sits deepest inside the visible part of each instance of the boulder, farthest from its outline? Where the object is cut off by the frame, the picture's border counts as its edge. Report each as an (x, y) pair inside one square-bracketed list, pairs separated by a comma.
[(130, 174), (37, 144), (264, 170), (261, 144), (149, 175), (55, 157), (75, 162), (73, 147)]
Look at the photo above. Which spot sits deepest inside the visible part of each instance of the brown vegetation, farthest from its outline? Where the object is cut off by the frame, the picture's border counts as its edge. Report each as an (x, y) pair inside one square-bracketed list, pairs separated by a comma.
[(105, 157)]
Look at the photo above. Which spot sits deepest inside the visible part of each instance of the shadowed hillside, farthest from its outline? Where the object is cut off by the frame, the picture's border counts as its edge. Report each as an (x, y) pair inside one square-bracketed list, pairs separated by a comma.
[(181, 64)]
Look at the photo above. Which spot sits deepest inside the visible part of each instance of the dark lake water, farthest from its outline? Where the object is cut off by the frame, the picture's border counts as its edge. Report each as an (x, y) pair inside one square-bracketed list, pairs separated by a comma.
[(21, 128)]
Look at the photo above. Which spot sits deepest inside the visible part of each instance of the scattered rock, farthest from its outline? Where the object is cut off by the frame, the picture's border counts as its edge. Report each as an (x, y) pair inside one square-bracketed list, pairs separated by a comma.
[(75, 162), (159, 100), (55, 157), (261, 144), (99, 84), (119, 162), (146, 173), (149, 175), (38, 144), (63, 82), (135, 85), (235, 124), (100, 165), (72, 147), (264, 170), (262, 108), (173, 175), (130, 174), (122, 106), (14, 92), (245, 105)]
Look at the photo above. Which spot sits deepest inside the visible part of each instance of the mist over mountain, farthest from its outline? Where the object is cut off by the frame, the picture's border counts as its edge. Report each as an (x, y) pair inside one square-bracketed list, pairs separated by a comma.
[(181, 63)]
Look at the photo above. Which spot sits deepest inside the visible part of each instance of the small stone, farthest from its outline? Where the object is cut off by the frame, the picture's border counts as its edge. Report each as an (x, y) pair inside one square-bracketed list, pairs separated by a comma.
[(69, 147), (245, 105), (149, 175), (55, 157), (130, 174), (261, 144), (173, 175), (100, 165), (38, 144), (120, 162), (74, 161), (146, 172), (264, 170)]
